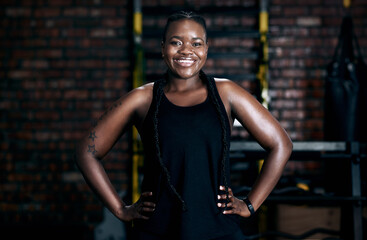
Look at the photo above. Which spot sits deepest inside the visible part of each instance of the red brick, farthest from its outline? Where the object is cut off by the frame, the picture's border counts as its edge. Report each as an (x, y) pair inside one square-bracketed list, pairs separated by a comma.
[(76, 94), (56, 43), (294, 73), (294, 114), (149, 3), (60, 2), (310, 2), (295, 93), (73, 33), (296, 31), (50, 32), (282, 41), (117, 64), (46, 12), (325, 11), (76, 12), (115, 2), (49, 53), (38, 64), (309, 21), (283, 2), (18, 12), (18, 74), (103, 12), (47, 115), (114, 22), (282, 21), (103, 32), (281, 104), (294, 11), (38, 42)]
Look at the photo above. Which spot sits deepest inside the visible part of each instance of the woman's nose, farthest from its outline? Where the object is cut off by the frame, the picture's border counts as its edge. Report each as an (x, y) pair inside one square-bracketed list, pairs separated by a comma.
[(186, 49)]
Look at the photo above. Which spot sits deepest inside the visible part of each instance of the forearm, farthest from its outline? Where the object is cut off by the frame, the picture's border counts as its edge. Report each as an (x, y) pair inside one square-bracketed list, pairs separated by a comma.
[(97, 178), (270, 174)]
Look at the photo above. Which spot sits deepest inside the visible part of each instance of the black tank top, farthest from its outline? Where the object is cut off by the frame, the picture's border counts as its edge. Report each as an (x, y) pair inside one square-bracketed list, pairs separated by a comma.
[(191, 149)]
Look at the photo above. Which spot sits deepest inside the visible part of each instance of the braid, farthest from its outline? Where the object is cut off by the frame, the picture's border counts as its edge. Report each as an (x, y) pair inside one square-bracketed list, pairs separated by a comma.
[(159, 94), (211, 91)]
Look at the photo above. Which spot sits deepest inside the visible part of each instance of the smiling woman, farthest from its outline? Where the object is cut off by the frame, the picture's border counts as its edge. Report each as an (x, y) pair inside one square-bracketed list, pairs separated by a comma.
[(188, 116), (185, 48)]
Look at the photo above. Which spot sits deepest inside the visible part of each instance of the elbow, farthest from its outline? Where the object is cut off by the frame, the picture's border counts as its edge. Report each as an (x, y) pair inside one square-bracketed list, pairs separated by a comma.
[(282, 146), (290, 147), (287, 146)]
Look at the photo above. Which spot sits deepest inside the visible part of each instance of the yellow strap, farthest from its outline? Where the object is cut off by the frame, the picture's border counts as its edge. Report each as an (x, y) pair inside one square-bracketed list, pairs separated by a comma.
[(263, 22), (138, 23), (347, 3)]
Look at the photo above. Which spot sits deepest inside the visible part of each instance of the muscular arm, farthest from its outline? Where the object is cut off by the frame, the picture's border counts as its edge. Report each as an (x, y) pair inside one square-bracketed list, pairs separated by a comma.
[(125, 112), (267, 132)]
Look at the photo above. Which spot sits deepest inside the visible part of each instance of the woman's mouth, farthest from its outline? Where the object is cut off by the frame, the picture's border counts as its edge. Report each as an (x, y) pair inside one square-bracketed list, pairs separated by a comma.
[(185, 62)]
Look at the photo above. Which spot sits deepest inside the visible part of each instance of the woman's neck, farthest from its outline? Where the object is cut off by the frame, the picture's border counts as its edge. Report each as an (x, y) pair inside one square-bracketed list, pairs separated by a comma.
[(176, 84)]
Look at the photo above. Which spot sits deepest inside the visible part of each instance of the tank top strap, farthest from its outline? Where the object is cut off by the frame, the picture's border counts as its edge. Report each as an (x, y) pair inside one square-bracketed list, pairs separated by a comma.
[(220, 103)]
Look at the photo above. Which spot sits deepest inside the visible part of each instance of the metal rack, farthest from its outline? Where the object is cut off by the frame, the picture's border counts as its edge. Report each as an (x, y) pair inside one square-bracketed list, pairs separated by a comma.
[(353, 152)]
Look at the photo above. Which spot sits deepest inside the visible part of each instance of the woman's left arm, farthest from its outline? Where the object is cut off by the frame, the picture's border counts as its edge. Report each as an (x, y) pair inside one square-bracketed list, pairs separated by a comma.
[(268, 133)]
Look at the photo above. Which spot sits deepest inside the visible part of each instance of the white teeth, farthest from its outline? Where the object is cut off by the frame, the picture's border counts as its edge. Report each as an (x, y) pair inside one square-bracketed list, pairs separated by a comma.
[(185, 61)]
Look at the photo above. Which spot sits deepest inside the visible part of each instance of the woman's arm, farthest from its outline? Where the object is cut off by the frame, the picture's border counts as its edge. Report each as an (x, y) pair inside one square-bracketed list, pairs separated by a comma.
[(124, 113), (267, 132)]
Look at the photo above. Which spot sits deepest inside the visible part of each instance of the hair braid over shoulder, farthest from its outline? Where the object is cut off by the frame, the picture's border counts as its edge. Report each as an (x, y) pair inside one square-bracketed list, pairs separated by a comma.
[(161, 83), (213, 96)]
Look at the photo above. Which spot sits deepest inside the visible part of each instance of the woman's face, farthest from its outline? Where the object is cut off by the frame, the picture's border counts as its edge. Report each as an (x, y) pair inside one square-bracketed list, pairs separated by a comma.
[(185, 48)]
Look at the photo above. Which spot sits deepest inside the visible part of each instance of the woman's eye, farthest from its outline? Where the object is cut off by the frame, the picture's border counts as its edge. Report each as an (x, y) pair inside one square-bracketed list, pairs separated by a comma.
[(197, 44), (176, 43)]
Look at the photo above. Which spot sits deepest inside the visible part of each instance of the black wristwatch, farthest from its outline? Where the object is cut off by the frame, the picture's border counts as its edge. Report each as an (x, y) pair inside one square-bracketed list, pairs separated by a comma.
[(249, 206)]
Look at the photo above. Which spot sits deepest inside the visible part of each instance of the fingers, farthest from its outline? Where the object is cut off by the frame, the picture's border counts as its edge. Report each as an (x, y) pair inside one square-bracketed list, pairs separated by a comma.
[(142, 217), (232, 206), (223, 205), (144, 200), (143, 208), (224, 196), (146, 194), (148, 204), (230, 211), (147, 207)]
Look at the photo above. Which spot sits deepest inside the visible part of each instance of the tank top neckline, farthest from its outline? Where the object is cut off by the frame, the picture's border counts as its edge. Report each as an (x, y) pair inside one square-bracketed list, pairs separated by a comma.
[(186, 107)]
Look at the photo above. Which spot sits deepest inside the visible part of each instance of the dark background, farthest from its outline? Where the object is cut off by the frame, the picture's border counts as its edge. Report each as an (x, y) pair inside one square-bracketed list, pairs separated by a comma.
[(63, 62)]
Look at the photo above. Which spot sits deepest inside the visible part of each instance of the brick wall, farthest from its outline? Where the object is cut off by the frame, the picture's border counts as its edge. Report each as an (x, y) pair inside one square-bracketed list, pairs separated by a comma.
[(63, 62), (302, 40)]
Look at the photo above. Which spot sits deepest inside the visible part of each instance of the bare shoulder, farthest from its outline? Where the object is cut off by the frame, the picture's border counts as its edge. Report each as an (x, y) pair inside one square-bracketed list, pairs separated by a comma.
[(140, 99), (143, 94), (228, 89)]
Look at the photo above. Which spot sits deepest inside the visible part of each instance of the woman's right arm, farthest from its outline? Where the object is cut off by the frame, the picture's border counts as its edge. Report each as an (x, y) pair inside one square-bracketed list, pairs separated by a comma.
[(127, 111)]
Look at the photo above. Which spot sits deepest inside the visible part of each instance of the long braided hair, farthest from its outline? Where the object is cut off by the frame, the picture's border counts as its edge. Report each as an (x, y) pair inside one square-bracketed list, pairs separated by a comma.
[(210, 83)]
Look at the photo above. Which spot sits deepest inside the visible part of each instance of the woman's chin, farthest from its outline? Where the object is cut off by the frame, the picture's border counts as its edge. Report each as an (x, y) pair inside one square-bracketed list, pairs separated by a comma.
[(184, 74)]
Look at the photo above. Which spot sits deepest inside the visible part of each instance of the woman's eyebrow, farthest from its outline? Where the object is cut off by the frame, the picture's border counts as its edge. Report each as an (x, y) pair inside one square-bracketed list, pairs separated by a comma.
[(198, 38), (178, 37), (194, 38)]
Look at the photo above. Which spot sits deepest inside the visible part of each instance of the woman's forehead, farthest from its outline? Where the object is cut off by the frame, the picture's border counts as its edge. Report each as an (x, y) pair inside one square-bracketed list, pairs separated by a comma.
[(185, 26)]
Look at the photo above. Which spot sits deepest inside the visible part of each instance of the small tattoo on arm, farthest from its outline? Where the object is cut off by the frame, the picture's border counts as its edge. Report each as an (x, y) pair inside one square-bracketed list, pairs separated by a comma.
[(113, 106), (92, 135), (92, 149)]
